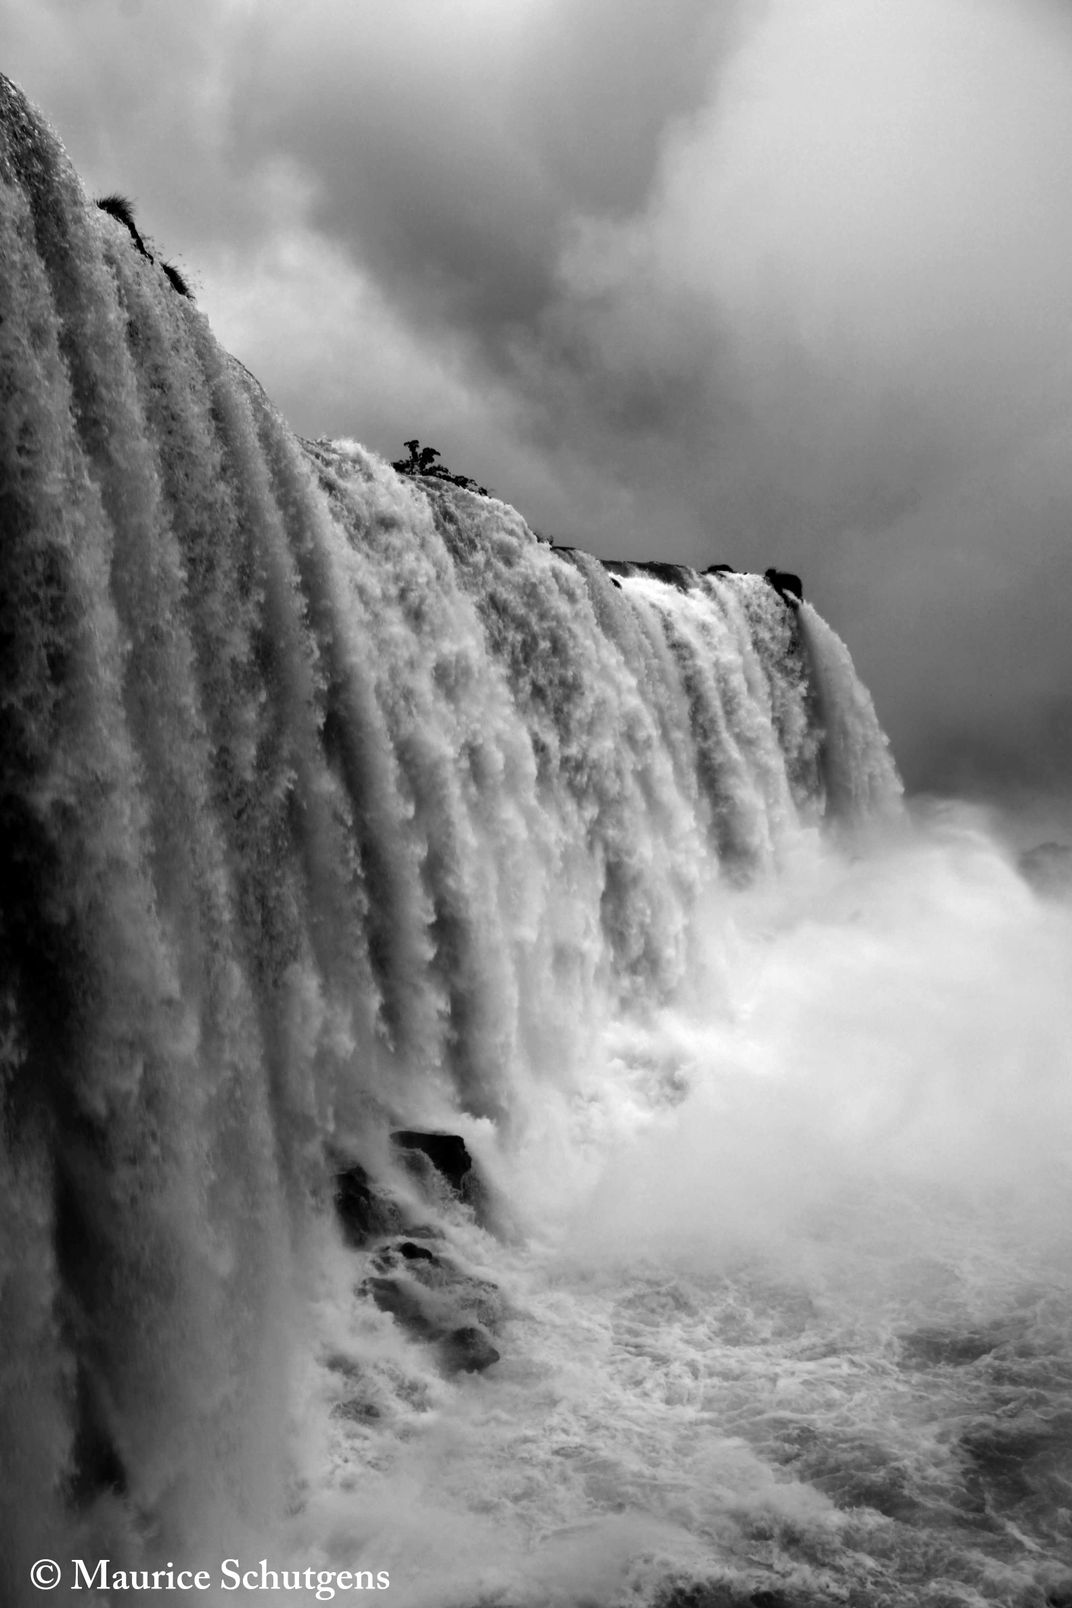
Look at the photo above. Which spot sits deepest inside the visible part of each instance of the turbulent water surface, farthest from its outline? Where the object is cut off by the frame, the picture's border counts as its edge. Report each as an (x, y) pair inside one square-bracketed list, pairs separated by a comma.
[(337, 805)]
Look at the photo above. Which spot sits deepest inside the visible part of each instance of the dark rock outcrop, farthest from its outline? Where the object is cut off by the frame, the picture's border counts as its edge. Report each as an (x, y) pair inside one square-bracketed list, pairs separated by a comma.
[(364, 1212), (789, 587), (436, 1301), (415, 1253), (446, 1152), (435, 1159), (439, 1162)]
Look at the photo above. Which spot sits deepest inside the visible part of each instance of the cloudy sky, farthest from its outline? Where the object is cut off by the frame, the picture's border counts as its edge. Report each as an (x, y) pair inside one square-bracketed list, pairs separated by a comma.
[(759, 281)]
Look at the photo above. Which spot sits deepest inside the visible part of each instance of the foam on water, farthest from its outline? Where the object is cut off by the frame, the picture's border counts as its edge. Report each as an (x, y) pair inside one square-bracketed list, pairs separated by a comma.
[(795, 1314), (334, 804)]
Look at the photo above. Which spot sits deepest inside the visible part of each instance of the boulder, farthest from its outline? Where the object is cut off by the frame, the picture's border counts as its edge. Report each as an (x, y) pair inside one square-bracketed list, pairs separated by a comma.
[(446, 1152), (425, 1291), (412, 1252)]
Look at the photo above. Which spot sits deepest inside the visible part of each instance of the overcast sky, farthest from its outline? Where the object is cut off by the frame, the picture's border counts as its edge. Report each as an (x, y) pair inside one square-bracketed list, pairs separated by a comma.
[(784, 282)]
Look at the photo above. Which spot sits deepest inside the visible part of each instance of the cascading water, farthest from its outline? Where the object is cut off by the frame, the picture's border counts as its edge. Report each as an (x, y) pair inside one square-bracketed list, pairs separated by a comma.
[(336, 805)]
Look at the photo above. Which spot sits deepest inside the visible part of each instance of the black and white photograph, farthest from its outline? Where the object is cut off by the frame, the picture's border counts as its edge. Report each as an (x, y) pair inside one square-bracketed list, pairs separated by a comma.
[(536, 803)]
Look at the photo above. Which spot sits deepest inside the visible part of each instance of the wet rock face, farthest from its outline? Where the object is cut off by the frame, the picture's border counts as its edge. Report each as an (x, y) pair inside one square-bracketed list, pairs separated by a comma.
[(435, 1159), (445, 1287), (414, 1253), (365, 1214), (435, 1300), (446, 1151), (460, 1347), (427, 1292)]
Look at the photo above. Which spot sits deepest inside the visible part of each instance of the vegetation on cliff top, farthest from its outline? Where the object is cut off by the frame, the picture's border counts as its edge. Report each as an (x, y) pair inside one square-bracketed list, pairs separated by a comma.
[(421, 461)]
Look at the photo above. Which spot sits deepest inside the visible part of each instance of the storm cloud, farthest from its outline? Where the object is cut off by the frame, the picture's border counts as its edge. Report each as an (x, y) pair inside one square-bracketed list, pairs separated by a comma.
[(785, 282)]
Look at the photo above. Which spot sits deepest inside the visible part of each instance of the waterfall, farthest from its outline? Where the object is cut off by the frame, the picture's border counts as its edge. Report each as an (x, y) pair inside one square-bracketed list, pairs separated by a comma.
[(334, 804)]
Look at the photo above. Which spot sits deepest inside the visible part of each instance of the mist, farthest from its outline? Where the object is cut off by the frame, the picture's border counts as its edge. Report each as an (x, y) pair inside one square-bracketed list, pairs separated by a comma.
[(768, 1232), (892, 1075)]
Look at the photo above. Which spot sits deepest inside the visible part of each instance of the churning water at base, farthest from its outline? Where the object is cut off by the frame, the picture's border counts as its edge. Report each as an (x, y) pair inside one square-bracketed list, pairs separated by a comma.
[(334, 806), (789, 1320)]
